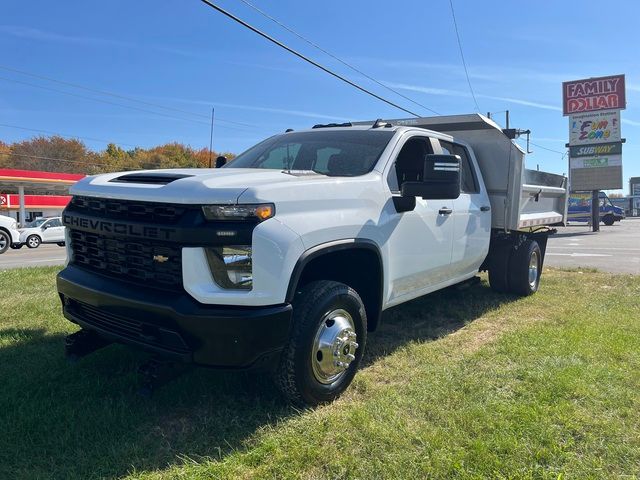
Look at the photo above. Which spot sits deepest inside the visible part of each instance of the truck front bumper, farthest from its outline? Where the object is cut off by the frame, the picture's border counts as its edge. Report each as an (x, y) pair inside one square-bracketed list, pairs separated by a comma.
[(173, 324)]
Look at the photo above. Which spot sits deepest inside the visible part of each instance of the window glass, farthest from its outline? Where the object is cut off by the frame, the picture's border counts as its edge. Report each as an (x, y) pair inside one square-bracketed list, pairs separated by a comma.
[(280, 158), (322, 158), (36, 223), (345, 152), (54, 223), (409, 164), (468, 182)]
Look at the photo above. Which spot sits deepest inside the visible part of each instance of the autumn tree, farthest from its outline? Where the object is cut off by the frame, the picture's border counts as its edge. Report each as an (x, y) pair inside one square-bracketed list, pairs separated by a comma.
[(54, 154)]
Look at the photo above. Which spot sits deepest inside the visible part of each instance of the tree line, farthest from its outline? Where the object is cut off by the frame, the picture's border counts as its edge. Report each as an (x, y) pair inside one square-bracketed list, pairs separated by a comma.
[(58, 154)]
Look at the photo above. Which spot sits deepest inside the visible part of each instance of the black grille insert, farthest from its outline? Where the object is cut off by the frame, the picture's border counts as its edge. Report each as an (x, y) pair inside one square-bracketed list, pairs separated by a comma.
[(147, 212), (127, 328), (148, 263)]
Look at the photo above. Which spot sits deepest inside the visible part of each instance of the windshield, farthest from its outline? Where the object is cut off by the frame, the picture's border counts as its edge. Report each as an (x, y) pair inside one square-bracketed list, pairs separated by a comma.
[(36, 223), (344, 153)]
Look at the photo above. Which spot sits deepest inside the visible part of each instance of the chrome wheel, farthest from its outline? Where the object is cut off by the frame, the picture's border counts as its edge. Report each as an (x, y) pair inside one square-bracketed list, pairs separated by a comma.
[(334, 346), (533, 270), (4, 241)]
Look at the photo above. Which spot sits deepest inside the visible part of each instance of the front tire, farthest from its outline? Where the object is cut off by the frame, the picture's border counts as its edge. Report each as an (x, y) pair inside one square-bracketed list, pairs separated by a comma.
[(326, 346), (33, 241), (5, 241), (525, 268), (608, 220), (60, 244)]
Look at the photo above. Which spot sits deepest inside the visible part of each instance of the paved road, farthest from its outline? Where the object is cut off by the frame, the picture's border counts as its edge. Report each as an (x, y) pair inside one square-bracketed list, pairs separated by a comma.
[(614, 249), (33, 257)]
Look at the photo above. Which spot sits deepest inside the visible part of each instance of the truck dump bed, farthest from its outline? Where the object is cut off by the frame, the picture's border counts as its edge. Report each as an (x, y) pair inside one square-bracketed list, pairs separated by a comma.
[(520, 198)]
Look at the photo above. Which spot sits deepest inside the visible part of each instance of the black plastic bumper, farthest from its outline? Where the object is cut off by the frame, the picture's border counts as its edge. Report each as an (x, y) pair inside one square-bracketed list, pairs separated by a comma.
[(174, 324)]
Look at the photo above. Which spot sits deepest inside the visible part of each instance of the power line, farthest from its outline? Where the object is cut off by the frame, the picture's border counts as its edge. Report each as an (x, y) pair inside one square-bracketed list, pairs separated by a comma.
[(306, 59), (48, 132), (357, 70), (117, 95), (39, 157), (548, 149), (108, 102), (464, 63)]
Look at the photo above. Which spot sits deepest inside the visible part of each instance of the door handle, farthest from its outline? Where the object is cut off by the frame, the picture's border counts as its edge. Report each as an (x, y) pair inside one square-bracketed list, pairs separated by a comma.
[(485, 208), (445, 211)]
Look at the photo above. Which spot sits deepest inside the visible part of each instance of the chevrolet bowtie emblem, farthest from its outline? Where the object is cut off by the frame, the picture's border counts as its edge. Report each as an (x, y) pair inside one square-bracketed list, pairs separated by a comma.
[(160, 258)]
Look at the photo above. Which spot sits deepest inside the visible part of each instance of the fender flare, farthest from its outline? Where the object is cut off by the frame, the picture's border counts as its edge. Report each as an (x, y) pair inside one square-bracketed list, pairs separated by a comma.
[(330, 247)]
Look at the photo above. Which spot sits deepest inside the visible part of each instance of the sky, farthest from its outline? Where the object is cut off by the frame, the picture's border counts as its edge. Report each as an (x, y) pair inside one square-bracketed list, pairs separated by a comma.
[(179, 59)]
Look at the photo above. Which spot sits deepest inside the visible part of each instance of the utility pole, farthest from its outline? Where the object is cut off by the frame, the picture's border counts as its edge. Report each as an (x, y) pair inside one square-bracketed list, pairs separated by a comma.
[(213, 111), (595, 210), (507, 117)]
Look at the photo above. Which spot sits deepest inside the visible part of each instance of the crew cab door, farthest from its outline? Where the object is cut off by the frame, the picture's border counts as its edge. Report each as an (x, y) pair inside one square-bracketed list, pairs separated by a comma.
[(471, 215), (419, 240)]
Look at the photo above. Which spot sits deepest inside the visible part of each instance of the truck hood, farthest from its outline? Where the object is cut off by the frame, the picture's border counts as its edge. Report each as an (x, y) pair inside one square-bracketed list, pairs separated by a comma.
[(192, 186)]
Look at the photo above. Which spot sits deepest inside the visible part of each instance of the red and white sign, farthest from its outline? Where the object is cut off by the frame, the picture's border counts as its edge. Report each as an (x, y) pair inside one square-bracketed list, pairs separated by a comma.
[(12, 201), (591, 94)]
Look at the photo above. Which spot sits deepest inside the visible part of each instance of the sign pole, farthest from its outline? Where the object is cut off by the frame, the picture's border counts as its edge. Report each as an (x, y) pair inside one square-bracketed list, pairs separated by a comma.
[(595, 210)]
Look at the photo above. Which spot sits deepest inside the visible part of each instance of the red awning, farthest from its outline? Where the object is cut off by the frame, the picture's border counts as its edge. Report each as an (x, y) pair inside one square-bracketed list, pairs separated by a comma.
[(7, 174), (12, 201)]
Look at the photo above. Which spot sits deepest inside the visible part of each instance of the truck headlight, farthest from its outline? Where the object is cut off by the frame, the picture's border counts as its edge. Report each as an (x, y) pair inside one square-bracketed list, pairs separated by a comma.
[(258, 212), (231, 266)]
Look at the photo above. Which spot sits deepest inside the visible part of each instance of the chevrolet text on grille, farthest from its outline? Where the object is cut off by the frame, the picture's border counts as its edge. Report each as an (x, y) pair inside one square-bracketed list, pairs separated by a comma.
[(105, 226)]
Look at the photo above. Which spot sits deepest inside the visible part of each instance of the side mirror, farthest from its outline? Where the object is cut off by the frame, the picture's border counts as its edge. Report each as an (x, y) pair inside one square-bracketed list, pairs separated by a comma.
[(441, 179), (221, 161)]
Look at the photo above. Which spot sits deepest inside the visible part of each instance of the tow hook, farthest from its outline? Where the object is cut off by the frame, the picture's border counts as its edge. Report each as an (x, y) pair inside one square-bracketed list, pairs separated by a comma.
[(82, 343), (156, 372)]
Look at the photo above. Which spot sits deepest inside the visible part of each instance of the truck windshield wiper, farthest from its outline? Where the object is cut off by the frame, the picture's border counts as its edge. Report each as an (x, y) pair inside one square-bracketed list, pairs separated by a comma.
[(303, 172)]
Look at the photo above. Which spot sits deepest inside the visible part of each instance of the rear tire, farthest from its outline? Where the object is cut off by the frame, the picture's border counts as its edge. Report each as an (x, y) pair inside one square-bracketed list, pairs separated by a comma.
[(61, 244), (608, 220), (499, 270), (5, 241), (329, 333), (33, 241), (525, 268), (17, 246)]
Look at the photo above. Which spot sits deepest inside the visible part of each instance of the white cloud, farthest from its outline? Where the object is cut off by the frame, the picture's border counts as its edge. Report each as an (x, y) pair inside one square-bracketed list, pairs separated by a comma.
[(458, 93), (633, 123), (284, 111), (45, 36)]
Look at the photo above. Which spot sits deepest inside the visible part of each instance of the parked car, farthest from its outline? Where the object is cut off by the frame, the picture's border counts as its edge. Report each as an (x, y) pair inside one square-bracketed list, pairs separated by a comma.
[(9, 234), (580, 208), (42, 230), (285, 258)]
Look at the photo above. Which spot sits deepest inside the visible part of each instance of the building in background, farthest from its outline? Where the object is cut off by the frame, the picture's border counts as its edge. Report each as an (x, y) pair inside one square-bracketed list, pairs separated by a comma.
[(634, 194), (28, 194)]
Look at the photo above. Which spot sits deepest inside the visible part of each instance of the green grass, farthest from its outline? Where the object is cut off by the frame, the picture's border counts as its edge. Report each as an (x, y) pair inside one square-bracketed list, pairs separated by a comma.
[(459, 384)]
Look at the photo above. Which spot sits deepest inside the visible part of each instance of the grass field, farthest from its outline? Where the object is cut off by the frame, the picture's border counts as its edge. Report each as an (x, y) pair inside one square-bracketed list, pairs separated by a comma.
[(459, 384)]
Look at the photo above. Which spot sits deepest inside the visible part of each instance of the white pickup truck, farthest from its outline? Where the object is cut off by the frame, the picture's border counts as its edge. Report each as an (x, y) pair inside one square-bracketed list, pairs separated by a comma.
[(286, 257)]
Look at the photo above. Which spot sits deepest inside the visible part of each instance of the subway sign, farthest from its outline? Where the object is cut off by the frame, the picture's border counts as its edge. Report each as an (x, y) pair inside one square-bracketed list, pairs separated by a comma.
[(594, 150)]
